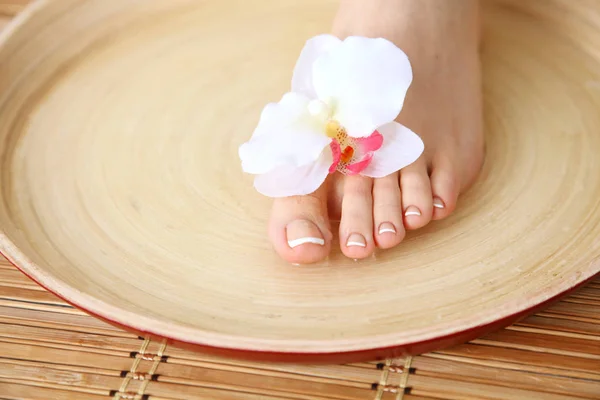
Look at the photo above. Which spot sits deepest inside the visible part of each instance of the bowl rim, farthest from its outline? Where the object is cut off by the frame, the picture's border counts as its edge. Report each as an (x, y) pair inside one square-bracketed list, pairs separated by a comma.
[(198, 337), (236, 343)]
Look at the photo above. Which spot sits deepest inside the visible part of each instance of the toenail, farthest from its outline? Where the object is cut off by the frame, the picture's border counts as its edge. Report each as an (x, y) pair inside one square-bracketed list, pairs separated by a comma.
[(301, 232), (304, 240), (412, 210), (438, 203), (356, 239), (387, 227)]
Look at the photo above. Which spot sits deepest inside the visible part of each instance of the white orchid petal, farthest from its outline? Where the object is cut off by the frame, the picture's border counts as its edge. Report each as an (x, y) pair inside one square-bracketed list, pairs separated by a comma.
[(286, 135), (302, 79), (401, 147), (367, 80), (293, 147), (290, 109), (291, 181)]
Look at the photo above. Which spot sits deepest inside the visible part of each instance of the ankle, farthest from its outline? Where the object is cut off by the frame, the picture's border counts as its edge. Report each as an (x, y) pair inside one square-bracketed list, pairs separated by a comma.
[(408, 21)]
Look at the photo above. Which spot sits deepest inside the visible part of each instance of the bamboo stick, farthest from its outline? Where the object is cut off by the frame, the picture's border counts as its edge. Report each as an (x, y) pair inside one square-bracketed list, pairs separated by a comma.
[(452, 390), (590, 311), (28, 305), (543, 343), (57, 320), (18, 390), (78, 381), (559, 362), (334, 374), (86, 391), (13, 277), (10, 8), (460, 360), (504, 377), (64, 356), (62, 337), (29, 295), (559, 325)]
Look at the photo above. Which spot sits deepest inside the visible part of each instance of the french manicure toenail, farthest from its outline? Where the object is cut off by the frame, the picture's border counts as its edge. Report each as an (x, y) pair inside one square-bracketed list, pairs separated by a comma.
[(386, 227), (304, 240), (356, 239), (301, 232), (438, 203), (412, 210)]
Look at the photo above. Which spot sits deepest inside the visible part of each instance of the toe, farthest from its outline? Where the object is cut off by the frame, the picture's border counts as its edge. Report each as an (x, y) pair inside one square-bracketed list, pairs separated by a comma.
[(299, 228), (416, 195), (356, 224), (387, 212), (445, 188)]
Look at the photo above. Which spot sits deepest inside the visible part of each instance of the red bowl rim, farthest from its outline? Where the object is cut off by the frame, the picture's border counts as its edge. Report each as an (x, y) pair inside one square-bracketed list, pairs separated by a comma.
[(437, 333), (195, 336)]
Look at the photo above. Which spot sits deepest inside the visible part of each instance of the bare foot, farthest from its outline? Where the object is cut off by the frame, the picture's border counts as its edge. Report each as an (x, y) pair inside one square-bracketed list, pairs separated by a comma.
[(443, 106)]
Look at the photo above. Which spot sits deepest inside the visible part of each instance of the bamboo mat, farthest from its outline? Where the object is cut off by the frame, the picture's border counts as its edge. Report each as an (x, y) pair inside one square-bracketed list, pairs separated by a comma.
[(50, 350)]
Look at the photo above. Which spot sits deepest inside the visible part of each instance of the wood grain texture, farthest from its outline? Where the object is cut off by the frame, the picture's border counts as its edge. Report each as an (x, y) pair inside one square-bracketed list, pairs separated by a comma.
[(50, 354), (120, 191), (51, 351)]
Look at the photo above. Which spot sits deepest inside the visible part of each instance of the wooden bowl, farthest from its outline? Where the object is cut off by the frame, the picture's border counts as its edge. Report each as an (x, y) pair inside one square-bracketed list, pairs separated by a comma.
[(121, 189)]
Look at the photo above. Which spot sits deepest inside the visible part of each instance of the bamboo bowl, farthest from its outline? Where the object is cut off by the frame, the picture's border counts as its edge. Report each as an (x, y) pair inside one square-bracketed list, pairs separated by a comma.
[(121, 189)]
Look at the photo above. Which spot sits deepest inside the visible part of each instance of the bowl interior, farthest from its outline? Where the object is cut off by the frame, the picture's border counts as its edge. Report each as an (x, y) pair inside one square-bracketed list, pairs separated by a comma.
[(121, 188)]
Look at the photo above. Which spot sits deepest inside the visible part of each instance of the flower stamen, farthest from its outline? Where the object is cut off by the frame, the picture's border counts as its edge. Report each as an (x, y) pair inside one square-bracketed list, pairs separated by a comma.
[(347, 154), (351, 155), (333, 129)]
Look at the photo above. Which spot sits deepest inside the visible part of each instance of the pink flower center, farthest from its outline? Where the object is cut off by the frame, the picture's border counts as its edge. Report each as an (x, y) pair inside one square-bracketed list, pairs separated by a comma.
[(351, 155)]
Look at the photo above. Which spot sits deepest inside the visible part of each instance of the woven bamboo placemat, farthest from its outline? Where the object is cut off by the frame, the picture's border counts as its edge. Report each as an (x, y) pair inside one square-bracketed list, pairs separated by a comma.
[(50, 350)]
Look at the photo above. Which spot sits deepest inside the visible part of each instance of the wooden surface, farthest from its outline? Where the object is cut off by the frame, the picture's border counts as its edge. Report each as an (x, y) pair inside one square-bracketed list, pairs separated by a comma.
[(49, 350), (121, 189)]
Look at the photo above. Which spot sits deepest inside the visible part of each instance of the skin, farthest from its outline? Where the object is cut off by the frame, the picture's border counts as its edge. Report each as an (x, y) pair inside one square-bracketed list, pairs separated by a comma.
[(443, 106)]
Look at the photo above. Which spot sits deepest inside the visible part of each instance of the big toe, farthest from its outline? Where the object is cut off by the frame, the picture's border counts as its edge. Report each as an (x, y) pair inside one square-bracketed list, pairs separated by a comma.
[(299, 228)]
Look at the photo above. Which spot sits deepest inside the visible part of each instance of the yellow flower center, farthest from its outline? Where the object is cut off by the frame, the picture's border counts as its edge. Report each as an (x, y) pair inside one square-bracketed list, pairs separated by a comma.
[(334, 130), (338, 133)]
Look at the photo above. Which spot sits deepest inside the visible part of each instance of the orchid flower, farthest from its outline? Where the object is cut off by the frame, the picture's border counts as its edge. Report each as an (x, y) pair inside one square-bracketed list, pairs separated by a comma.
[(339, 116)]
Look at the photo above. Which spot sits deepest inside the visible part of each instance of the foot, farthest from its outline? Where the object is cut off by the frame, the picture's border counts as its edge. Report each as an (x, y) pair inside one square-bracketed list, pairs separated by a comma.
[(443, 106)]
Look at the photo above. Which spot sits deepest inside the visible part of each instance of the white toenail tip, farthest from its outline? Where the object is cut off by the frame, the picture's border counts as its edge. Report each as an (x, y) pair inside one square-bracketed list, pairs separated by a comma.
[(438, 205), (385, 230), (304, 240), (409, 213), (295, 265), (359, 244)]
